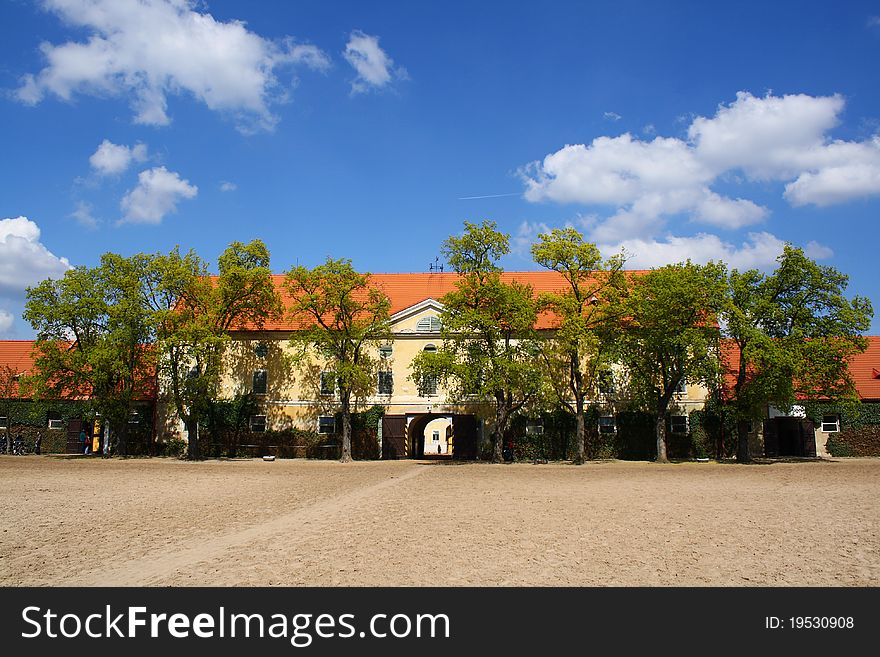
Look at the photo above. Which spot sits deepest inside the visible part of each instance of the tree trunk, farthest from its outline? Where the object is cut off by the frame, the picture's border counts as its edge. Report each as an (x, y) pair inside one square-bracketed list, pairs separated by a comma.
[(192, 445), (8, 435), (743, 454), (660, 428), (498, 432), (346, 433), (579, 433)]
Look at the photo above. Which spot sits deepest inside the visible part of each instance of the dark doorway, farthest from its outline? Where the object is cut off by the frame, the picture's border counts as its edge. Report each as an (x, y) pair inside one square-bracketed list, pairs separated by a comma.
[(464, 437), (789, 436), (394, 437)]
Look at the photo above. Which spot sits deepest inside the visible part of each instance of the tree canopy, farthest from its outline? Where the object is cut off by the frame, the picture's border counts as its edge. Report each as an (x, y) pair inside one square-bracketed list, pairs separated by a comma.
[(792, 333), (578, 353), (342, 319)]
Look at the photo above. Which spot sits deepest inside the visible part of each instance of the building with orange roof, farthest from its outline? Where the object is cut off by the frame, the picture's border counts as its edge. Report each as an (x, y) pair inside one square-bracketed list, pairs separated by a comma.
[(807, 428), (419, 420), (59, 422)]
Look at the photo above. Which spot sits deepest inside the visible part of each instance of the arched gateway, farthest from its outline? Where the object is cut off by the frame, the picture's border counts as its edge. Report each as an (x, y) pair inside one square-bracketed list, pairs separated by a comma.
[(429, 435)]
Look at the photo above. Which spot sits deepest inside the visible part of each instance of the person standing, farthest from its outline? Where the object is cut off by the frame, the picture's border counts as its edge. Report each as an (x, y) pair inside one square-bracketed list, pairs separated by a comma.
[(84, 441)]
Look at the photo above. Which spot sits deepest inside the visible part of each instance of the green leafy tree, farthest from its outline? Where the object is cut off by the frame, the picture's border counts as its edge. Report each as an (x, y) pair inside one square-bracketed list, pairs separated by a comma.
[(670, 336), (792, 333), (343, 321), (10, 387), (577, 355), (195, 313), (489, 349), (93, 331)]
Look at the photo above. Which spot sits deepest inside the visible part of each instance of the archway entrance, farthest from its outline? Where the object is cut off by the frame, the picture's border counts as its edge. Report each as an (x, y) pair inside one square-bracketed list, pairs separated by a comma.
[(413, 436), (430, 435)]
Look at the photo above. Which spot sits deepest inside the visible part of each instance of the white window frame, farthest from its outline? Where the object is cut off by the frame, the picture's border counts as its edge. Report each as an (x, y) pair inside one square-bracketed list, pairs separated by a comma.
[(534, 429), (4, 422), (322, 426), (613, 424), (682, 388), (134, 417), (390, 378), (831, 427), (251, 424), (429, 324), (254, 381), (324, 389), (686, 424)]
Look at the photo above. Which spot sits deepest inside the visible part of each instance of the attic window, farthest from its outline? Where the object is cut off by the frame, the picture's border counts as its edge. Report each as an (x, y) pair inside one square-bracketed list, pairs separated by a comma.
[(875, 373), (261, 349), (430, 324)]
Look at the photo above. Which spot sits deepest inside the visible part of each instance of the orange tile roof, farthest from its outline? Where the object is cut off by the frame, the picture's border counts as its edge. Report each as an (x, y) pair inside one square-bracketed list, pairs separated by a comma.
[(406, 290), (18, 354), (864, 368)]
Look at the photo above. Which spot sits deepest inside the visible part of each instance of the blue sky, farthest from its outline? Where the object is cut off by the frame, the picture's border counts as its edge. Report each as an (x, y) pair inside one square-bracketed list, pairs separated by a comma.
[(672, 130)]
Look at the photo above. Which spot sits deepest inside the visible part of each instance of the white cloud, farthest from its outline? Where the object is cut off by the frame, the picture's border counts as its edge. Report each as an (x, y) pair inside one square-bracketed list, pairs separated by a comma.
[(83, 215), (6, 321), (150, 49), (24, 260), (759, 251), (774, 138), (227, 186), (157, 193), (112, 159), (612, 116), (526, 235), (375, 69)]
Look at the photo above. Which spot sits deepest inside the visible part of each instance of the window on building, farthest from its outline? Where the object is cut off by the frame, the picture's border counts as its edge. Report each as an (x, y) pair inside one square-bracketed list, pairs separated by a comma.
[(3, 422), (830, 423), (606, 382), (386, 383), (261, 349), (534, 429), (326, 424), (55, 421), (258, 423), (607, 424), (435, 436), (430, 324), (385, 351), (134, 417), (681, 388), (678, 424), (261, 382), (328, 383), (428, 386)]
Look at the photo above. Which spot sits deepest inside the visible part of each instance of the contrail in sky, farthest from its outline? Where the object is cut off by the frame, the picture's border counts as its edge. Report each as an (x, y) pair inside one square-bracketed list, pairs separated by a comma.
[(468, 198)]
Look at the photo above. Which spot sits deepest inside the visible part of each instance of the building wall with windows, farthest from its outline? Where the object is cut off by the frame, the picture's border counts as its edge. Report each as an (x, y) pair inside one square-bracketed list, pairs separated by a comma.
[(292, 393)]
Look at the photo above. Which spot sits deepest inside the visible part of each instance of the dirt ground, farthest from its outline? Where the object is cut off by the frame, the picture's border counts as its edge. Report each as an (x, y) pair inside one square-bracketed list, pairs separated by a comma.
[(89, 521)]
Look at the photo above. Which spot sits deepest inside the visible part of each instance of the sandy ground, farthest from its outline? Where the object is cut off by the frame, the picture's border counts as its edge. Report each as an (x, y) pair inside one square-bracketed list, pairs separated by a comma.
[(88, 521)]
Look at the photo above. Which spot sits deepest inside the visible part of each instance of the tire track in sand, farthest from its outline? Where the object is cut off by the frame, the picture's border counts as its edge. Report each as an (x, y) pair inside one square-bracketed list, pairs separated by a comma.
[(298, 526)]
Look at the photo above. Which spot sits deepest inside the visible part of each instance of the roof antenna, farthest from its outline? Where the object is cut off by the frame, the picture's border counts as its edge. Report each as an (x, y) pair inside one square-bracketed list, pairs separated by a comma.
[(436, 266)]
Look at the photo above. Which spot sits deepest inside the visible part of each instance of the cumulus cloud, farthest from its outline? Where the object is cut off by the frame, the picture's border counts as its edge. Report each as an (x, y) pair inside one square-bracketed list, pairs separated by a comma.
[(24, 260), (773, 138), (150, 49), (6, 321), (157, 194), (227, 186), (758, 252), (83, 214), (112, 159), (375, 69)]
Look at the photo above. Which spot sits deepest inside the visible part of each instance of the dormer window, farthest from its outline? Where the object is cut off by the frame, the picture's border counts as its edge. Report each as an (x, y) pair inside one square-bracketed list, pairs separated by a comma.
[(430, 324)]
